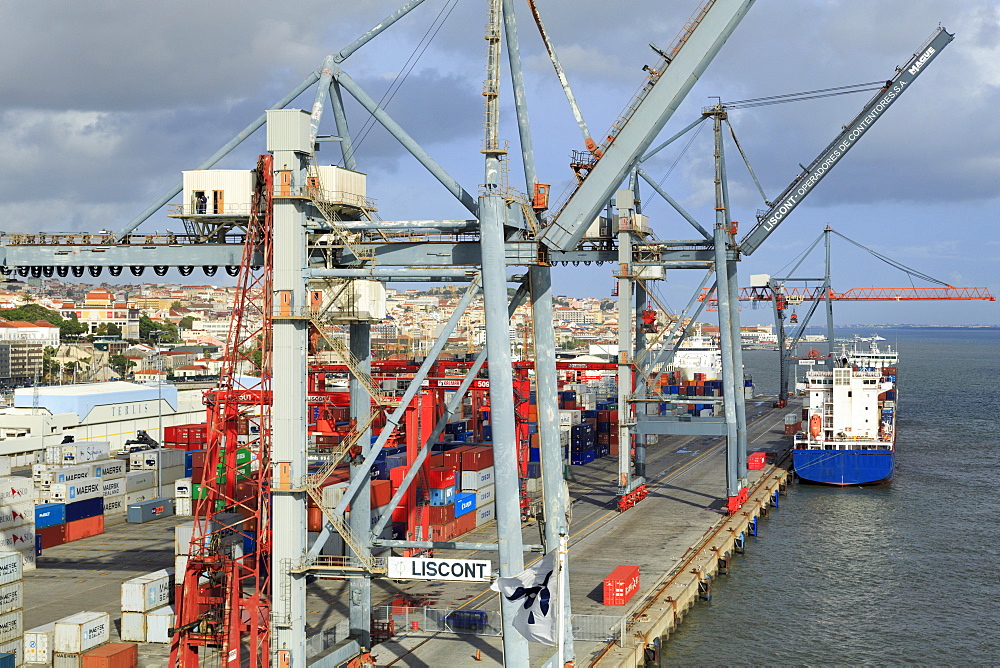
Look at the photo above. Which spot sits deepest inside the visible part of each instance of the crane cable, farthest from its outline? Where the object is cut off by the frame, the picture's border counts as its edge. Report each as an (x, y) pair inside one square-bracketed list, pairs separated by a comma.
[(893, 263), (406, 69), (804, 95)]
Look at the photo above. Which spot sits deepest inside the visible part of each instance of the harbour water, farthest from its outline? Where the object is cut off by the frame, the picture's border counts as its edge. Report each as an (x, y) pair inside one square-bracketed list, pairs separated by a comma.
[(903, 573)]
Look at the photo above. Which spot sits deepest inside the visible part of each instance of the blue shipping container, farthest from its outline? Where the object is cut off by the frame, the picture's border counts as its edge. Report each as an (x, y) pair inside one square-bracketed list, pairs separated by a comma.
[(8, 660), (442, 497), (534, 455), (465, 503), (81, 510), (584, 457), (534, 469), (488, 432), (50, 514)]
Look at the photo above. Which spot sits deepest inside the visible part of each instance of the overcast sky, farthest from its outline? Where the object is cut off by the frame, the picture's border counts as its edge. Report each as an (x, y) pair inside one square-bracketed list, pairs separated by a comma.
[(103, 104)]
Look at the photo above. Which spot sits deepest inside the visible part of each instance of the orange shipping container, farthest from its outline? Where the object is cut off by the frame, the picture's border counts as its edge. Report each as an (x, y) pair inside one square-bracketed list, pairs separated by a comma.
[(381, 493), (114, 655), (92, 526)]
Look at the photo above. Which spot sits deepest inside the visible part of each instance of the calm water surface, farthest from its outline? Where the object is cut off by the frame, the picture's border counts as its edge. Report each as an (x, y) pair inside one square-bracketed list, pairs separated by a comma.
[(903, 573)]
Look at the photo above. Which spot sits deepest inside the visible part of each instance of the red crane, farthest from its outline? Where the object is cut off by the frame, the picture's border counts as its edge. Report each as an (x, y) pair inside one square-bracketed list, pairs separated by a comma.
[(223, 602)]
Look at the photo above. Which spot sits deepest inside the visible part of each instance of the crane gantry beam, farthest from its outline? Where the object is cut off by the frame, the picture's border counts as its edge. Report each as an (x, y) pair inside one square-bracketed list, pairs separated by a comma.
[(794, 293)]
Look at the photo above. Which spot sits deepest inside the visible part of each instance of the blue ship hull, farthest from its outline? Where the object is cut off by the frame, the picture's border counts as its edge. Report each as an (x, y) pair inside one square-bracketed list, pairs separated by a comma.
[(843, 467)]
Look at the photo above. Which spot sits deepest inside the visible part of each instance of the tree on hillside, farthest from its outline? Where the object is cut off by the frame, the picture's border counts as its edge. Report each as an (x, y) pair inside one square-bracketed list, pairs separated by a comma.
[(120, 364), (187, 322), (167, 331)]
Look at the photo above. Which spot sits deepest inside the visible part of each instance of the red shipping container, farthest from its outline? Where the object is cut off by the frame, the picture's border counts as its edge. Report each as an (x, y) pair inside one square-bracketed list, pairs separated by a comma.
[(381, 493), (400, 513), (453, 458), (396, 476), (477, 459), (464, 524), (441, 514), (92, 526), (437, 459), (621, 585), (756, 460), (441, 477), (114, 655), (52, 536)]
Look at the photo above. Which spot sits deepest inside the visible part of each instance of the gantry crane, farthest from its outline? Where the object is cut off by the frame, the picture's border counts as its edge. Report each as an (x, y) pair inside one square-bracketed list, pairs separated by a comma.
[(782, 296)]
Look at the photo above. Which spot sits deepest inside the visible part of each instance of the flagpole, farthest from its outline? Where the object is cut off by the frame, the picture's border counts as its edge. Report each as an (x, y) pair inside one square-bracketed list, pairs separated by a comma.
[(561, 628)]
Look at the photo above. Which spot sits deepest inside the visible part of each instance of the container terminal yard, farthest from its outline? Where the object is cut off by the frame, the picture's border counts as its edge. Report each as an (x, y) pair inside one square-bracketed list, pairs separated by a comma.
[(333, 508)]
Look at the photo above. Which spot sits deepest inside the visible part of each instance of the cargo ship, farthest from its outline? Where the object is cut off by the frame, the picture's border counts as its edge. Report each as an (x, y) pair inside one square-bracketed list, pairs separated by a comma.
[(848, 430)]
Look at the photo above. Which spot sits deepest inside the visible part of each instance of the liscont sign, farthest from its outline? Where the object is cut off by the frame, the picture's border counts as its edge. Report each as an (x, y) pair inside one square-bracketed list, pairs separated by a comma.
[(422, 568)]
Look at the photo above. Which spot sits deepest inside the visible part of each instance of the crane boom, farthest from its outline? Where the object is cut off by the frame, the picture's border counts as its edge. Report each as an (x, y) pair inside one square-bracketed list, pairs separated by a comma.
[(805, 293), (831, 155), (645, 116)]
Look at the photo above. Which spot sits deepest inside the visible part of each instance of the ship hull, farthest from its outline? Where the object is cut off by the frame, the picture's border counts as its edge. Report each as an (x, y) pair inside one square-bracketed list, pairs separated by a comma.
[(844, 467)]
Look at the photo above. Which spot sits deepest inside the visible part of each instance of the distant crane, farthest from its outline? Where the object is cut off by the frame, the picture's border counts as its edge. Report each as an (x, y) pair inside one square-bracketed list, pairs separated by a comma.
[(781, 296)]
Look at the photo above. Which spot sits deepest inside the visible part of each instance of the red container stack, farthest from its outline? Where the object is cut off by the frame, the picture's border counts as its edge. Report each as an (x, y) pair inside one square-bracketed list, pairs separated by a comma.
[(441, 477), (477, 459), (621, 585), (756, 460)]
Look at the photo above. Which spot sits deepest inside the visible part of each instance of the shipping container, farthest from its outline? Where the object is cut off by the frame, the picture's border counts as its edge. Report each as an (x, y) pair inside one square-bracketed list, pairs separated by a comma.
[(49, 514), (113, 655), (146, 511), (485, 495), (114, 506), (136, 481), (79, 490), (10, 568), (110, 469), (182, 488), (14, 489), (620, 585), (67, 660), (152, 460), (11, 596), (465, 503), (18, 539), (80, 632), (183, 507), (65, 474), (442, 497), (17, 514), (133, 627), (148, 592), (38, 644), (113, 487), (473, 480), (11, 626), (52, 536), (140, 496), (92, 526), (85, 451), (440, 477), (8, 660), (484, 514), (158, 624), (477, 459), (81, 510)]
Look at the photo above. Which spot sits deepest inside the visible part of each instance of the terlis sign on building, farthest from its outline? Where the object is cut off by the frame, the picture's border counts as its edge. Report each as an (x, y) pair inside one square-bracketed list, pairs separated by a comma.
[(464, 570)]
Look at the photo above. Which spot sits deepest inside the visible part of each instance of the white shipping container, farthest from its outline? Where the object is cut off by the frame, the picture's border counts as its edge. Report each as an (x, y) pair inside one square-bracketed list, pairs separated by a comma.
[(66, 660), (180, 564), (11, 626), (486, 495), (79, 490), (136, 481), (11, 596), (151, 460), (182, 539), (18, 539), (38, 644), (113, 487), (484, 514), (473, 480), (158, 624), (112, 468), (140, 496), (10, 567), (182, 488), (148, 592), (86, 451), (570, 417), (14, 489), (133, 627), (78, 633), (17, 514), (333, 494), (115, 505), (183, 507), (37, 470), (170, 476), (54, 455), (64, 474)]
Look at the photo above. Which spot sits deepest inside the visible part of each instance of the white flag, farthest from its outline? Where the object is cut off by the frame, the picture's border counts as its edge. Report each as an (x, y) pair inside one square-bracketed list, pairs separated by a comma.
[(534, 592)]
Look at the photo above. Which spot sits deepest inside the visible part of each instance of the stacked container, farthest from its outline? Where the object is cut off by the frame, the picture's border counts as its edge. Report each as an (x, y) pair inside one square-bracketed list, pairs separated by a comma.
[(17, 533), (183, 505), (185, 437), (167, 464), (142, 597), (77, 634), (12, 606), (38, 644), (477, 477)]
